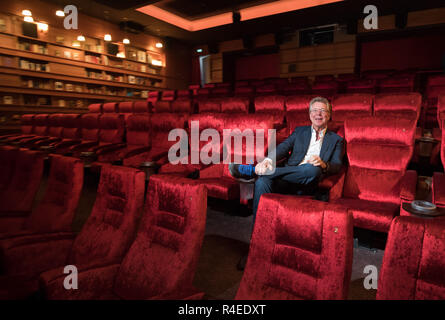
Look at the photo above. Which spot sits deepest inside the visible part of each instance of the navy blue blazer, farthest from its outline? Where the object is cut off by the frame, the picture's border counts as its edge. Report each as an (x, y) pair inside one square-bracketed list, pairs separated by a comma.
[(331, 152)]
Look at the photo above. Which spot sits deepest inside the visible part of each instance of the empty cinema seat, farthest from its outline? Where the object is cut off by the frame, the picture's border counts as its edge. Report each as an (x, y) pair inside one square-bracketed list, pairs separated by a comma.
[(26, 128), (141, 107), (110, 107), (160, 127), (300, 249), (377, 181), (184, 106), (397, 84), (361, 86), (396, 105), (89, 135), (325, 89), (168, 95), (295, 89), (95, 108), (235, 105), (209, 105), (71, 134), (413, 262), (17, 198), (51, 128), (126, 108), (55, 212), (104, 238), (434, 88), (162, 260), (297, 111), (348, 106), (8, 159)]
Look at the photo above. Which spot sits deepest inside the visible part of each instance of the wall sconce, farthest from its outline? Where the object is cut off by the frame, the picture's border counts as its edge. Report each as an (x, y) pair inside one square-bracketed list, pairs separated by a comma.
[(126, 41), (60, 13), (26, 13), (107, 37), (28, 19), (42, 27), (80, 38), (159, 45)]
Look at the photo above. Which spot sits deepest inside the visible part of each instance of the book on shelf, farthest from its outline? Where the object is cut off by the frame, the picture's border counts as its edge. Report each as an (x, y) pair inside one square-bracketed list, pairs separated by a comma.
[(8, 100)]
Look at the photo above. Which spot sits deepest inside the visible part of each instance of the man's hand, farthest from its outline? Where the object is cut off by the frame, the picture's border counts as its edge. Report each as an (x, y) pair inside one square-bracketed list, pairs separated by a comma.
[(263, 167), (317, 162)]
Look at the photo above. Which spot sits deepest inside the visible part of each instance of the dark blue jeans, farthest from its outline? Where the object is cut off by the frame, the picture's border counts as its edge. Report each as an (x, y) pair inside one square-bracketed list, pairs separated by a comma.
[(300, 179)]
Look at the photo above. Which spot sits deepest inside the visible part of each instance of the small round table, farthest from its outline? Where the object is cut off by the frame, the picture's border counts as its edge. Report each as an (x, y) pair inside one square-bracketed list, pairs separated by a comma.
[(423, 214)]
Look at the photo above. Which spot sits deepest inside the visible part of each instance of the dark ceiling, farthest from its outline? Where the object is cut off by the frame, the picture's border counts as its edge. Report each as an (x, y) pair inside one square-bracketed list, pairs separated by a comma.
[(349, 10)]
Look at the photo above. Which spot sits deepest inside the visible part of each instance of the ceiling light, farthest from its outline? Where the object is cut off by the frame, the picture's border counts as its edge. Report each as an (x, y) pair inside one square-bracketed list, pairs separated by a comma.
[(26, 13), (199, 50), (28, 19), (80, 38), (41, 26), (159, 45), (126, 41), (107, 37), (60, 13)]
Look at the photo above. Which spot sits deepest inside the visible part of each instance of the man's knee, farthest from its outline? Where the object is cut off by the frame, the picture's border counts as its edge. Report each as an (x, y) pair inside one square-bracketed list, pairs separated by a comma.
[(263, 182), (312, 173)]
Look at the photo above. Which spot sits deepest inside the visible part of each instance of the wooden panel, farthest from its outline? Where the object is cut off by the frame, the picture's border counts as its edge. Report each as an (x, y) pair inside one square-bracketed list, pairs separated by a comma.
[(217, 64), (288, 55), (305, 66), (324, 51), (344, 49), (217, 76), (8, 41), (307, 53), (232, 45), (426, 17), (9, 80), (343, 63), (265, 40)]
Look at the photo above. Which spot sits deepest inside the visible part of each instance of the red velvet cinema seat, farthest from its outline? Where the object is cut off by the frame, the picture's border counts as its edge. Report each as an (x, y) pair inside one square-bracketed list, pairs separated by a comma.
[(247, 91), (26, 127), (157, 150), (361, 86), (274, 107), (325, 88), (209, 105), (40, 129), (95, 108), (220, 184), (295, 89), (434, 88), (235, 105), (104, 239), (300, 249), (89, 135), (18, 196), (162, 260), (141, 107), (153, 96), (126, 108), (8, 159), (55, 211), (413, 262), (396, 105), (438, 188), (397, 84), (70, 133), (187, 165), (349, 106), (377, 181), (110, 107), (53, 133)]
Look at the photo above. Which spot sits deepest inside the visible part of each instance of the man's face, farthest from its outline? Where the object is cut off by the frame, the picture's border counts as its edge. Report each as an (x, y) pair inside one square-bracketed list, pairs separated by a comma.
[(319, 115)]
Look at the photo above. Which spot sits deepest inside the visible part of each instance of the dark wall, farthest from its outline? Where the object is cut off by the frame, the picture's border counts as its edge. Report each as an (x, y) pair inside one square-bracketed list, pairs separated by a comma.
[(258, 66)]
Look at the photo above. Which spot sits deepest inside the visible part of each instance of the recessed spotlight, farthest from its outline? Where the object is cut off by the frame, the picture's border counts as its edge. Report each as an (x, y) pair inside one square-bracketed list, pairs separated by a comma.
[(28, 19), (80, 38), (107, 37), (159, 45), (126, 41), (26, 13), (60, 13)]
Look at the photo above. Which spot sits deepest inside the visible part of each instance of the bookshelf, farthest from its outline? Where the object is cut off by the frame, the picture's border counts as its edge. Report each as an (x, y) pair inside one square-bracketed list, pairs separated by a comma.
[(55, 73)]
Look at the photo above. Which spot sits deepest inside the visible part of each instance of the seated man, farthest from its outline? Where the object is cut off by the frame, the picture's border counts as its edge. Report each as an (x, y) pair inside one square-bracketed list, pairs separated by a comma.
[(315, 152)]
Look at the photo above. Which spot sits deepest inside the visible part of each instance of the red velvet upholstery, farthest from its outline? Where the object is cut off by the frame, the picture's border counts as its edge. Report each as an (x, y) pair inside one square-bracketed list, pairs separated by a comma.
[(95, 108), (266, 89), (257, 83), (89, 134), (183, 95), (347, 106), (27, 126), (397, 84), (243, 83), (168, 95), (209, 85), (161, 261), (8, 158), (221, 92), (104, 239), (209, 105), (110, 107), (53, 133), (71, 133), (324, 78), (223, 85), (203, 93), (55, 211), (295, 89), (235, 105), (125, 107), (160, 127), (24, 183), (300, 249), (278, 82), (220, 184), (347, 77), (441, 110), (361, 86), (413, 262), (141, 106), (378, 150), (182, 106), (153, 96), (206, 121), (377, 74), (162, 106), (325, 88), (297, 111), (273, 105), (398, 105), (244, 91)]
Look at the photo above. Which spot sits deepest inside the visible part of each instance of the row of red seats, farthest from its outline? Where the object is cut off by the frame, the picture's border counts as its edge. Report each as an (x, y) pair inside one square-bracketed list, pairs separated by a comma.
[(118, 257), (118, 253)]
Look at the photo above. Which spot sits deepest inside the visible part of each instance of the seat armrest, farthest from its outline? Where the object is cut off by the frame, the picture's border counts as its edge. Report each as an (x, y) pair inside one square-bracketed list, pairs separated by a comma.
[(47, 141), (335, 184), (83, 146), (110, 148), (92, 282), (438, 189), (213, 171), (66, 143), (408, 186)]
